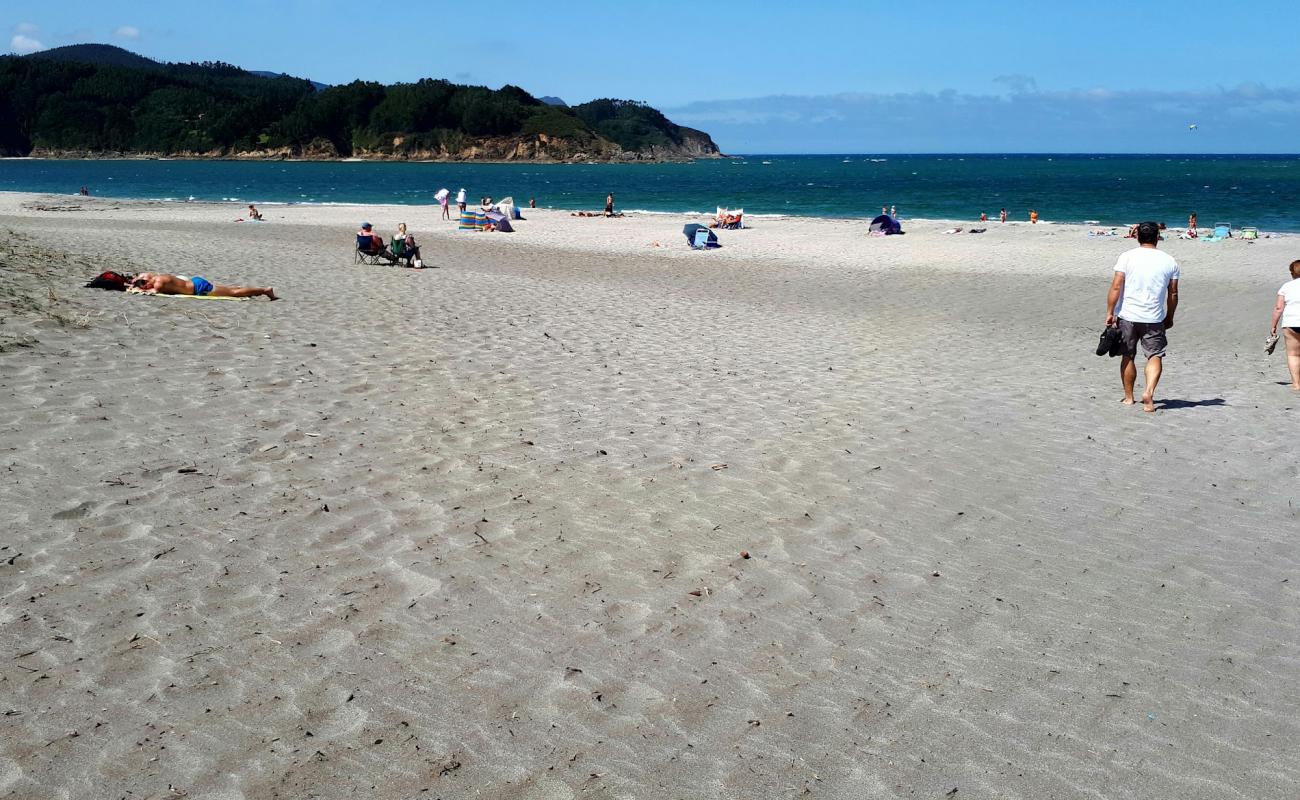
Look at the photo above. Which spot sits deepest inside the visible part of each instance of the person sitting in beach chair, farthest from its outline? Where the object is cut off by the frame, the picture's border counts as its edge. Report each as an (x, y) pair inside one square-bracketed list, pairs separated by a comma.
[(370, 247), (404, 246), (162, 283), (731, 219)]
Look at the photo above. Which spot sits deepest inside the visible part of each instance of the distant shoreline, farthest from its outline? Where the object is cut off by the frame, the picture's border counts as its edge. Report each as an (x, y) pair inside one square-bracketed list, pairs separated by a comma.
[(43, 202), (271, 159), (1260, 192), (706, 157)]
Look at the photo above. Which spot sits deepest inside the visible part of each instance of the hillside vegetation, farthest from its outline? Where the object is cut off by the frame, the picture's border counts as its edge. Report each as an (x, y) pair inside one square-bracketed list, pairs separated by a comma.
[(101, 100)]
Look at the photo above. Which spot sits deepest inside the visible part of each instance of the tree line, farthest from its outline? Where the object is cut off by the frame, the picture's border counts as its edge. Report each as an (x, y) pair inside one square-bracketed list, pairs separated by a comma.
[(216, 108)]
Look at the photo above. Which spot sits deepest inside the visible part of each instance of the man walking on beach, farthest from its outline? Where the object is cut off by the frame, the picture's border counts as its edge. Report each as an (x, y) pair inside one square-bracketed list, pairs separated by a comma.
[(1145, 287)]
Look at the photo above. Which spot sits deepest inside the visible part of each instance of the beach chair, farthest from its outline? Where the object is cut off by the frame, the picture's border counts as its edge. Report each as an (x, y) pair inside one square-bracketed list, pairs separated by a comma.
[(1250, 233), (363, 254), (699, 237), (1223, 230)]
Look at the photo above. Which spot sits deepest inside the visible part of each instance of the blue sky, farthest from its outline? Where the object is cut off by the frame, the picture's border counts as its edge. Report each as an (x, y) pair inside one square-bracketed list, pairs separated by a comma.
[(860, 76)]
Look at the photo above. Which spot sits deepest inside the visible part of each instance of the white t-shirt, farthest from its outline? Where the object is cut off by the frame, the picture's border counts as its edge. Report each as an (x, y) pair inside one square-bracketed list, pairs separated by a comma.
[(460, 196), (1147, 273), (1290, 292)]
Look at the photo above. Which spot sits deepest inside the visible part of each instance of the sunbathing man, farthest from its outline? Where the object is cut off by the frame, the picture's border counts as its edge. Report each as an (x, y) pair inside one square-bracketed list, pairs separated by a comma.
[(162, 283)]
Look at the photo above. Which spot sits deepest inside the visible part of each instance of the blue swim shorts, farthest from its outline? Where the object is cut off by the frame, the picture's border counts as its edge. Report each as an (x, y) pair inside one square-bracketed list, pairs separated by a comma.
[(201, 285)]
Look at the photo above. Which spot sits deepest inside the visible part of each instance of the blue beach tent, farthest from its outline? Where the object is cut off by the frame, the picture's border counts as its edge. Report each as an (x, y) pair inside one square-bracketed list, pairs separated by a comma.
[(885, 224)]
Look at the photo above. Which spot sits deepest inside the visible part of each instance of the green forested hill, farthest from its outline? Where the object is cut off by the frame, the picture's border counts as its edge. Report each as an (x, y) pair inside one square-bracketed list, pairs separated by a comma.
[(93, 100), (104, 55)]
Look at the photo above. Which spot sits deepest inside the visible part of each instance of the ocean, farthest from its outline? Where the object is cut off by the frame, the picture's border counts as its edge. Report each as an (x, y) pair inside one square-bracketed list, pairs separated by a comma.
[(1263, 191)]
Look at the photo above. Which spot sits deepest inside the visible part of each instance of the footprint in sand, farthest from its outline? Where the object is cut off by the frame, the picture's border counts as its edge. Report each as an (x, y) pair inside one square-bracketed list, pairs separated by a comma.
[(76, 512)]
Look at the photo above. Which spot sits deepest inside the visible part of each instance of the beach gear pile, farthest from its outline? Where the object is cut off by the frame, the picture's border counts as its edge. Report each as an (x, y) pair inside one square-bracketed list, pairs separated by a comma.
[(112, 281), (496, 218)]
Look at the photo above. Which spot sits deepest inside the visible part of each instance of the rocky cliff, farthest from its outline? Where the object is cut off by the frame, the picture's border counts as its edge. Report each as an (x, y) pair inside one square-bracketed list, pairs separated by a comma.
[(539, 148)]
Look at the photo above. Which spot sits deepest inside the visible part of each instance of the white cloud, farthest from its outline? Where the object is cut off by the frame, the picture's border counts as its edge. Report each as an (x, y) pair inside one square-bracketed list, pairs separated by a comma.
[(1072, 120), (1018, 83), (24, 44), (26, 27), (127, 32)]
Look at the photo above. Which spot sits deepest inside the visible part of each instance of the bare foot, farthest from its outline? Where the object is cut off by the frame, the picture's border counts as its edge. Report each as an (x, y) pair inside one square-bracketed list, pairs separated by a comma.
[(1148, 404), (270, 294), (1128, 401)]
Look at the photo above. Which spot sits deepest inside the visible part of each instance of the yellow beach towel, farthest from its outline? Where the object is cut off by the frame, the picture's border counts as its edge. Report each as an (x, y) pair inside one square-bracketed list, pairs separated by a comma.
[(201, 297)]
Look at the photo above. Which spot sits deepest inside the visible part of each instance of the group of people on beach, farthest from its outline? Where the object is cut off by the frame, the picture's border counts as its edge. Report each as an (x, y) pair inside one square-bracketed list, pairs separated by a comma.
[(443, 196), (1001, 216), (401, 248), (1142, 302), (608, 212)]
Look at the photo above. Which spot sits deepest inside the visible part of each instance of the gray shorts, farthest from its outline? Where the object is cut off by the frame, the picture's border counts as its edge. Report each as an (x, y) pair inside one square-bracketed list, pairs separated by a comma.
[(1150, 334)]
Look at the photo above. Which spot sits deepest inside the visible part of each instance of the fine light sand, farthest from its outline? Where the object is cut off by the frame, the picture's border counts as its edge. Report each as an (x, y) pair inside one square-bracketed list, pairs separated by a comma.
[(476, 532)]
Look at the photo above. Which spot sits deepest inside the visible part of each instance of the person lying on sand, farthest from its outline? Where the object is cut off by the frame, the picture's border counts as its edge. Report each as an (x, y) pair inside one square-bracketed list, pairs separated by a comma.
[(162, 283), (595, 214)]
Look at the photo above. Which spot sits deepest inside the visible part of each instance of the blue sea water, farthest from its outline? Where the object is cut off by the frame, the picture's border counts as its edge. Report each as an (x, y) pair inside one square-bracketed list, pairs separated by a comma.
[(1263, 191)]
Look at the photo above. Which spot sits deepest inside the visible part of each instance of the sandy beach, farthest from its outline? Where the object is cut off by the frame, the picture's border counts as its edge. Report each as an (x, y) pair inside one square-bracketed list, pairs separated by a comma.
[(583, 513)]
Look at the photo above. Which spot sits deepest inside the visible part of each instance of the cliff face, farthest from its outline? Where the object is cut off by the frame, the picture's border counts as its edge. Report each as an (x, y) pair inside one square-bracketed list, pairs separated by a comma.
[(538, 148), (531, 149), (541, 148)]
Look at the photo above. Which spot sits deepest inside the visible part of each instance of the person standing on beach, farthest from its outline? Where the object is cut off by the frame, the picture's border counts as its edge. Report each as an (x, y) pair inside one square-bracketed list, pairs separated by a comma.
[(1003, 216), (1033, 216), (609, 205), (444, 195), (1142, 300), (1191, 226), (460, 201), (1287, 311)]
